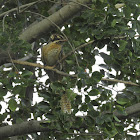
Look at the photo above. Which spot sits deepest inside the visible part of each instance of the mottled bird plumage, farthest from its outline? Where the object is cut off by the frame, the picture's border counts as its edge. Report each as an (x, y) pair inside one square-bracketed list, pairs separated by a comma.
[(52, 53)]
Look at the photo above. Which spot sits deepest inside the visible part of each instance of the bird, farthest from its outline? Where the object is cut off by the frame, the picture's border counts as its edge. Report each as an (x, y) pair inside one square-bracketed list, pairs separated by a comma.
[(50, 55)]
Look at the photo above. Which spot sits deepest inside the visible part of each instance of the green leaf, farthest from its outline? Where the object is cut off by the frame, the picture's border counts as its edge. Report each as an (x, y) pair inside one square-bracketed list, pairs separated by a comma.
[(78, 121), (12, 74), (96, 77), (121, 102), (121, 110), (3, 92), (87, 99), (116, 119), (84, 107), (93, 92), (107, 118), (133, 130), (78, 99), (134, 89), (71, 95), (19, 120), (95, 103), (131, 33), (70, 62), (27, 74), (93, 113), (123, 44), (19, 89), (113, 23), (45, 123), (111, 130), (127, 11), (89, 121), (107, 58), (12, 104), (99, 120)]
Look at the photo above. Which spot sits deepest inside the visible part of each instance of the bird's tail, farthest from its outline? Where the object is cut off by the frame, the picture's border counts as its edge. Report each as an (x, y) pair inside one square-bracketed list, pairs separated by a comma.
[(53, 76)]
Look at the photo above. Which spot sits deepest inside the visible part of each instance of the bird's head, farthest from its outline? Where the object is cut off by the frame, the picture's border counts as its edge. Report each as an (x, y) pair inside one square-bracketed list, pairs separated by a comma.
[(56, 38)]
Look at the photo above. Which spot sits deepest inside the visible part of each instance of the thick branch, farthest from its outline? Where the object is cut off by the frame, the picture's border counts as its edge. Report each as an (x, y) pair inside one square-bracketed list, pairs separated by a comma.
[(27, 127), (130, 111), (59, 17), (34, 126)]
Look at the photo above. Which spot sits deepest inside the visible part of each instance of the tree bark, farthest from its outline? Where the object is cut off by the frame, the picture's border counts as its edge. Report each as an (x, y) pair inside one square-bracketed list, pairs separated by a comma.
[(58, 18), (133, 110), (26, 127)]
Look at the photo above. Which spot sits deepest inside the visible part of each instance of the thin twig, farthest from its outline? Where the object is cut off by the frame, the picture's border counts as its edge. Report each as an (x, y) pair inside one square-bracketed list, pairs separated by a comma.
[(28, 6), (3, 22), (82, 4), (64, 3), (21, 59), (72, 51), (58, 2), (82, 134), (14, 9), (120, 81), (18, 8), (86, 134), (108, 87), (122, 37), (12, 62), (77, 48)]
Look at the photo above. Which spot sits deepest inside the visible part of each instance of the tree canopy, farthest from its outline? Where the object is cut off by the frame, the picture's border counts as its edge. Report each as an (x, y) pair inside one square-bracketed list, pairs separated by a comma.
[(89, 26)]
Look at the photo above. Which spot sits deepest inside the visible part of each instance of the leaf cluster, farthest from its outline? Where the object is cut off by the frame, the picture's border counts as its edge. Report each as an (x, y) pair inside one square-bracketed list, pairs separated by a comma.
[(93, 101)]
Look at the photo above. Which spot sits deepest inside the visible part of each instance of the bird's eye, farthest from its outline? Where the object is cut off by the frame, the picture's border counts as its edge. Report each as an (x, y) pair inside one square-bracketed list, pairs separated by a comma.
[(56, 37)]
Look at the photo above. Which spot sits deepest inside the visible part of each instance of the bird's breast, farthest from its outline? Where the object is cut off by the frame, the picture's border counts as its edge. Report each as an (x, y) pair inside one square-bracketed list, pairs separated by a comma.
[(51, 54)]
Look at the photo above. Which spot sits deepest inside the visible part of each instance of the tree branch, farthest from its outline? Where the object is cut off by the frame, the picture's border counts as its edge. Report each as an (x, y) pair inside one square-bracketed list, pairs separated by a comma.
[(22, 59), (43, 67), (26, 127), (66, 74), (15, 9), (130, 111), (34, 126), (59, 17), (120, 81)]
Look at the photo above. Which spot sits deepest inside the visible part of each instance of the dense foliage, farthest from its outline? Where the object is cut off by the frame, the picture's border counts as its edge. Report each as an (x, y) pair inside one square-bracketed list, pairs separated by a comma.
[(104, 23)]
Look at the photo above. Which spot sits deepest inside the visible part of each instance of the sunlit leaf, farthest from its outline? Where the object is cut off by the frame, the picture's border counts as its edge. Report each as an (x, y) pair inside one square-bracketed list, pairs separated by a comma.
[(12, 104)]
